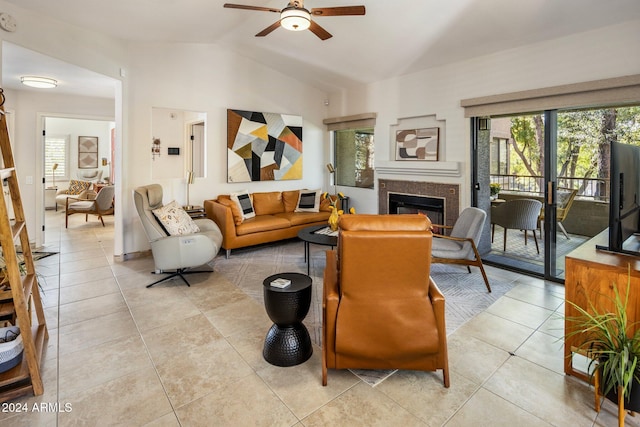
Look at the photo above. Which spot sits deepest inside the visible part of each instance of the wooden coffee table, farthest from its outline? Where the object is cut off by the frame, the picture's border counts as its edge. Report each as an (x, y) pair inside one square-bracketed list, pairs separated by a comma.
[(308, 235)]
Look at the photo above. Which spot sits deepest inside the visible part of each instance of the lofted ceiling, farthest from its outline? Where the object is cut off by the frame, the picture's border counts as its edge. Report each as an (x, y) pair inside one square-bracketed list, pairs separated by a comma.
[(395, 37)]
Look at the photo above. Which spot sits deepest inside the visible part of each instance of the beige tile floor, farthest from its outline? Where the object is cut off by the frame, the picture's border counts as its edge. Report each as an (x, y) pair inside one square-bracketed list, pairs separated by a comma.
[(121, 354)]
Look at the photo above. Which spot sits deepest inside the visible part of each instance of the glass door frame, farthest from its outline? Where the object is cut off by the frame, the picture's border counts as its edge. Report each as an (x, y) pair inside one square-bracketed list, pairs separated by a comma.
[(550, 192)]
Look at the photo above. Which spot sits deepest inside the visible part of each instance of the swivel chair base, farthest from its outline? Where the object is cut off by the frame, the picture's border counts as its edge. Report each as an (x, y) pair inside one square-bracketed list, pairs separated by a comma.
[(179, 273)]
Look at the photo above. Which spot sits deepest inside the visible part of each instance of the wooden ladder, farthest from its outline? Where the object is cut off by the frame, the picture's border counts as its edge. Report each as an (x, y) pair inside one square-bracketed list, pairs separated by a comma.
[(25, 378)]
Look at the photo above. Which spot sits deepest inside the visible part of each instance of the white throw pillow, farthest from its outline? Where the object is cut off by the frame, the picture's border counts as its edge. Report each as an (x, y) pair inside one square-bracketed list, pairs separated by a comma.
[(243, 200), (309, 201), (175, 220)]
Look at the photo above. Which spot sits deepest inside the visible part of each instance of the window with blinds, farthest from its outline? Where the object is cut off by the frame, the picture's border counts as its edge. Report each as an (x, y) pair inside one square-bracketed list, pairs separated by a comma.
[(56, 150)]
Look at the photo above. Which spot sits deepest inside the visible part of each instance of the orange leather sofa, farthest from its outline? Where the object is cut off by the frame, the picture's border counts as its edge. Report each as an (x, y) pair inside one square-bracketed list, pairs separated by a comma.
[(381, 309), (275, 218)]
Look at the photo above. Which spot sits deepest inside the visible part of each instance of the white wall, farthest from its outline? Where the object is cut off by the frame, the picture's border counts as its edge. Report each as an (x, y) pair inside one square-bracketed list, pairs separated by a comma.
[(73, 128), (599, 54)]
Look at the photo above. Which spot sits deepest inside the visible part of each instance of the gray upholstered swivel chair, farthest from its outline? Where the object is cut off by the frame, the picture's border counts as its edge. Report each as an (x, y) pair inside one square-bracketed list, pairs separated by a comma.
[(174, 255), (459, 247), (517, 214)]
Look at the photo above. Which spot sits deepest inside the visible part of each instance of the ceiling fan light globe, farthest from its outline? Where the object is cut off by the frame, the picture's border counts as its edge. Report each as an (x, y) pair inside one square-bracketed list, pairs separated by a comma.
[(295, 19)]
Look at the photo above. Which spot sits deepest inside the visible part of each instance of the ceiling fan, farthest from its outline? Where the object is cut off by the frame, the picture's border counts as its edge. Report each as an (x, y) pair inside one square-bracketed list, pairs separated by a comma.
[(295, 17)]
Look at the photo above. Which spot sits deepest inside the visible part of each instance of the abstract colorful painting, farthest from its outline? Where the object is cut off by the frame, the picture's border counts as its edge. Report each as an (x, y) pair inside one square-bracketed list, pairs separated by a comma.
[(417, 144), (263, 146)]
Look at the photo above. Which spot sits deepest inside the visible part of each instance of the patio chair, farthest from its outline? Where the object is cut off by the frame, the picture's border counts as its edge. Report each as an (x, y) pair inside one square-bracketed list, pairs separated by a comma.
[(517, 214), (564, 201)]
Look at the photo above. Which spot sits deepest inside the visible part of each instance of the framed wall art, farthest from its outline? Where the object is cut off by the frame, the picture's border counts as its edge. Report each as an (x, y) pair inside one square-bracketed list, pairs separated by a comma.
[(263, 146), (417, 144), (87, 152)]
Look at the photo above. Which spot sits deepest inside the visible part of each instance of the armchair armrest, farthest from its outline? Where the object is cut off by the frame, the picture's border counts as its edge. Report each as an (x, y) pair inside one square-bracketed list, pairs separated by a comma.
[(223, 217), (437, 300), (330, 302), (441, 227)]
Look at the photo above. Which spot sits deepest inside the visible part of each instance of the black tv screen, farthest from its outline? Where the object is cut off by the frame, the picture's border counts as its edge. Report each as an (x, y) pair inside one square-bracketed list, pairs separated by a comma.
[(624, 210)]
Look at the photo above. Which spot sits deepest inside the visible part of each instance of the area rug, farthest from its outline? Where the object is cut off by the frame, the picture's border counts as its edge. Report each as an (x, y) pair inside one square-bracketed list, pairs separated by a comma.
[(465, 293), (36, 256)]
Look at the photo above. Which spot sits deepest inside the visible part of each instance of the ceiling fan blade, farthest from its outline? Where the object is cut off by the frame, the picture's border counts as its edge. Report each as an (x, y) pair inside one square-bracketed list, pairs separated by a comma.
[(242, 6), (338, 11), (268, 29), (319, 31)]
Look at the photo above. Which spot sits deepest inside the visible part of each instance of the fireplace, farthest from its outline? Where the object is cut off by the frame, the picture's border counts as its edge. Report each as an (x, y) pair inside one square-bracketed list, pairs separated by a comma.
[(444, 198), (433, 207)]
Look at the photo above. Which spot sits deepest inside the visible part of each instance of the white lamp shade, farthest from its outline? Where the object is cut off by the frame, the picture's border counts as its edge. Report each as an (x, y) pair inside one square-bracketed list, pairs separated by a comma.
[(294, 19)]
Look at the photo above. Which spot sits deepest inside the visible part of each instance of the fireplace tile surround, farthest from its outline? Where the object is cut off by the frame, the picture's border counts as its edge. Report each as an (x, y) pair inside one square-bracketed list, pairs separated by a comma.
[(449, 192)]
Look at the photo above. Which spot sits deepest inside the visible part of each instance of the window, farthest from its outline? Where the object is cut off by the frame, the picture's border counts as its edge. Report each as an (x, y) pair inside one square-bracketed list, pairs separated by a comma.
[(354, 155), (353, 149), (499, 156), (56, 150)]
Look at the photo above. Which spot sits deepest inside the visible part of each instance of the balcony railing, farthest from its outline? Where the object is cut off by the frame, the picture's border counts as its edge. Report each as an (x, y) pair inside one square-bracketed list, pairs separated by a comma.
[(593, 188)]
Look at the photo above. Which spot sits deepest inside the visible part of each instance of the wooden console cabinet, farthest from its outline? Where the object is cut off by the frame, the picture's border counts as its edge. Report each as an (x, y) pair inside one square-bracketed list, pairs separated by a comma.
[(590, 277)]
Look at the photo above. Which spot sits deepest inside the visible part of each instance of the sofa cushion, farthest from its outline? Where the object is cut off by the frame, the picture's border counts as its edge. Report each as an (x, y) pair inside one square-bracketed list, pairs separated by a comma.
[(175, 220), (77, 187), (301, 218), (244, 203), (290, 200), (262, 223), (268, 203), (308, 201)]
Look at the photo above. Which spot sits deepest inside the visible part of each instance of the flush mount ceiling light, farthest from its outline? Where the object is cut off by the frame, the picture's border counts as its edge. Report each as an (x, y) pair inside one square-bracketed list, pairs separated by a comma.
[(39, 82), (293, 18)]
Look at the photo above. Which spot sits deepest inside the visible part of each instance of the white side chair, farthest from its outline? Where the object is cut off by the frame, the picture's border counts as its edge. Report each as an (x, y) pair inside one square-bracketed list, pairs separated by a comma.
[(173, 255)]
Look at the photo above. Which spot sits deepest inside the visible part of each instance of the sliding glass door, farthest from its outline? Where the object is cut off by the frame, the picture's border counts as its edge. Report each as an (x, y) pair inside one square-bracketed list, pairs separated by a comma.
[(558, 157)]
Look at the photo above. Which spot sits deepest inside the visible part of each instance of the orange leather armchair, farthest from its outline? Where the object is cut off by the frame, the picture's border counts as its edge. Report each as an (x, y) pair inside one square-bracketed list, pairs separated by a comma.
[(381, 309)]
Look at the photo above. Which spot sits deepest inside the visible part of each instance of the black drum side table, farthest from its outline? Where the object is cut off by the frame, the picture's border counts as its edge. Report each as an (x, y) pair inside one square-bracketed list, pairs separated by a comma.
[(287, 342)]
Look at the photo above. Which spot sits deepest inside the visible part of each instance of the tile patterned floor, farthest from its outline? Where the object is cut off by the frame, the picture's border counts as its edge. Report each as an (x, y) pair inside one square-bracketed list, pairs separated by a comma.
[(121, 354)]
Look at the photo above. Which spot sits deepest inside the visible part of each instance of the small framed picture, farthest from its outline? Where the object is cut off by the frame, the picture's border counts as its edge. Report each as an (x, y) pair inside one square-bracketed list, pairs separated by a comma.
[(87, 152), (417, 144)]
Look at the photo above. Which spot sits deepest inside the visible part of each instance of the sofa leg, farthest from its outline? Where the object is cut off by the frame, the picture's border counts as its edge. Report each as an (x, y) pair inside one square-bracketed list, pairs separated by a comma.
[(228, 253)]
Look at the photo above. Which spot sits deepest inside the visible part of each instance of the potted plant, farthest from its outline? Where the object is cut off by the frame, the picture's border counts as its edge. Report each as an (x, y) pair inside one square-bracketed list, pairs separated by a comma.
[(494, 190), (613, 345)]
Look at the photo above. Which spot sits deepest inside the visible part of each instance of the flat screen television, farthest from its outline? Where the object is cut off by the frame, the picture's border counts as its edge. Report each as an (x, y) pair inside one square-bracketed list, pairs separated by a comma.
[(624, 207)]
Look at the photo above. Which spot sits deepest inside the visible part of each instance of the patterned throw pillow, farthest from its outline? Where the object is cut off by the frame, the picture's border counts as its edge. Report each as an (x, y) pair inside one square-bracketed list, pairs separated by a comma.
[(243, 201), (77, 187), (309, 201), (175, 220)]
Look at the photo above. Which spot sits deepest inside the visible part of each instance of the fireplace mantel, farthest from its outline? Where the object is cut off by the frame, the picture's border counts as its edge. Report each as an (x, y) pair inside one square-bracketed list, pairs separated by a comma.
[(419, 168)]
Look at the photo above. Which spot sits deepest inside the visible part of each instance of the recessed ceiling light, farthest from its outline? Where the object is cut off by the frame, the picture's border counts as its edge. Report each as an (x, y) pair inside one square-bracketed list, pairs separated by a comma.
[(39, 82)]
